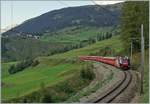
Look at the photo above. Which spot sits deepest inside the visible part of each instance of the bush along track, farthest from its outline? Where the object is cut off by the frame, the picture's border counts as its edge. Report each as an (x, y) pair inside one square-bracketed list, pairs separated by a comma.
[(102, 77), (112, 76)]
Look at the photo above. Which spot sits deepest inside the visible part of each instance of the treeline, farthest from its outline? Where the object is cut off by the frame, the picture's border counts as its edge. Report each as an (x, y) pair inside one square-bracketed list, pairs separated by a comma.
[(134, 13), (22, 65), (83, 43), (106, 51), (12, 51)]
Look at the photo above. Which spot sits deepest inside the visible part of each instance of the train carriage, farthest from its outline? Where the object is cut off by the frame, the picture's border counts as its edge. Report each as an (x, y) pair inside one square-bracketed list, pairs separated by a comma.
[(119, 62)]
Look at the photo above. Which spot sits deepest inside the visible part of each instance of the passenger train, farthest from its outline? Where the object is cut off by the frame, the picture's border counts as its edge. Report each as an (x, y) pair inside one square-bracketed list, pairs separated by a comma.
[(119, 61)]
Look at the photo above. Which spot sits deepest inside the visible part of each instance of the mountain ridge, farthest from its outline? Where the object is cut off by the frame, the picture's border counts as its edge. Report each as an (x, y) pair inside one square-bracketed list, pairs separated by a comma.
[(89, 15)]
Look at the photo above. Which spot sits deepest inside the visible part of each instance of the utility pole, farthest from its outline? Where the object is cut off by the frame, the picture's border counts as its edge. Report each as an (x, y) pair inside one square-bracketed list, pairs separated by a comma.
[(11, 14), (142, 59), (131, 52)]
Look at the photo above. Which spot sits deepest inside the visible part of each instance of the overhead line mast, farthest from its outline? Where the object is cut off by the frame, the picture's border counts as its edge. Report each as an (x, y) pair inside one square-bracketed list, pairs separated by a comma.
[(11, 8), (11, 17)]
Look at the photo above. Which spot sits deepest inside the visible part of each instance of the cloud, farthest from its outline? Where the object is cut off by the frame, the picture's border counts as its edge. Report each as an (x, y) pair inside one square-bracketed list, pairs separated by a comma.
[(106, 2)]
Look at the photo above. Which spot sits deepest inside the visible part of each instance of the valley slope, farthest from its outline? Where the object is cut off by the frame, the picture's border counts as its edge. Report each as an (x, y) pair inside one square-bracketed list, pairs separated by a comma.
[(59, 30), (51, 70)]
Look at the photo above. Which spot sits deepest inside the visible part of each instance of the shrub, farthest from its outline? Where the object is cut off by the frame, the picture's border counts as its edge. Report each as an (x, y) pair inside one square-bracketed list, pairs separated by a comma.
[(65, 87), (34, 97), (20, 66), (87, 73), (46, 98), (11, 70), (35, 63)]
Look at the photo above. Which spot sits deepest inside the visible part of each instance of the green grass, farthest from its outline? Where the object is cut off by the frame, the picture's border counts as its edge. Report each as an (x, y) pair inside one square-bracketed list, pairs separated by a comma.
[(72, 35), (144, 98), (114, 43), (51, 70), (29, 80), (20, 49), (5, 67)]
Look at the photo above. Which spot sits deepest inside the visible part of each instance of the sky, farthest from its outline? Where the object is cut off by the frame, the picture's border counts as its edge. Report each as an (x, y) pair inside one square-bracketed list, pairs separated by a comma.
[(16, 12)]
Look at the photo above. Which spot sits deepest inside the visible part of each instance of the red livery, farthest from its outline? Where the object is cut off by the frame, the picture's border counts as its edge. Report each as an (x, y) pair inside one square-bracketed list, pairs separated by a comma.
[(120, 62)]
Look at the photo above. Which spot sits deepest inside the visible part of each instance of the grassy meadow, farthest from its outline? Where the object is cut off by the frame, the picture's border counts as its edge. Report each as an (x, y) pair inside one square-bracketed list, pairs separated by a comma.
[(51, 70), (75, 35), (144, 98), (30, 79), (58, 68)]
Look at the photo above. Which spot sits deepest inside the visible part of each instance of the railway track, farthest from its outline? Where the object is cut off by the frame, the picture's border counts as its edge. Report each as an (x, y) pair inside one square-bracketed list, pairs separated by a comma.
[(116, 90)]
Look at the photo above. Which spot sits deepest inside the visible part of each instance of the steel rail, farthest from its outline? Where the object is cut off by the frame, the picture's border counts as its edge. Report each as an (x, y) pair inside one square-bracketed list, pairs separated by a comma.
[(116, 90)]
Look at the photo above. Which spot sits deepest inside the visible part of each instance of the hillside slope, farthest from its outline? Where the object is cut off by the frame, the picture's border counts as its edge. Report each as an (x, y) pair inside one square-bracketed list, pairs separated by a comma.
[(59, 30), (73, 16), (51, 70), (50, 43)]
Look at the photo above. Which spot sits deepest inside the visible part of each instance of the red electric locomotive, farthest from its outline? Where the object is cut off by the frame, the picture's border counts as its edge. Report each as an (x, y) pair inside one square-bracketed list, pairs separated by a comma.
[(120, 62)]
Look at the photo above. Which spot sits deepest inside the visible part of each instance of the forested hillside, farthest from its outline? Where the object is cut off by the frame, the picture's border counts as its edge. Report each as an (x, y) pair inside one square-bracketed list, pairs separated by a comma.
[(53, 43), (134, 13)]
